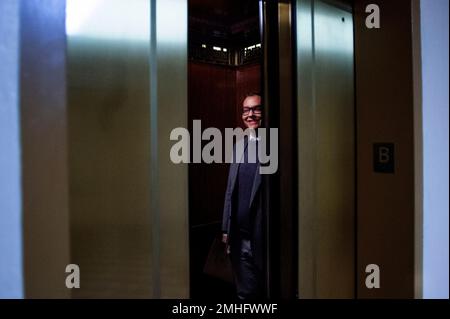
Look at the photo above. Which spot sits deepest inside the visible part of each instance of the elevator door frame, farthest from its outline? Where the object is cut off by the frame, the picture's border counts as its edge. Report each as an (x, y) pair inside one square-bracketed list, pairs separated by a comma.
[(280, 188)]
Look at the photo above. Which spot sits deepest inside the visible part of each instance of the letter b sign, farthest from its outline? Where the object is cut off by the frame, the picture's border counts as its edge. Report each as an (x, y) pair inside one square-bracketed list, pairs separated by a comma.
[(383, 158)]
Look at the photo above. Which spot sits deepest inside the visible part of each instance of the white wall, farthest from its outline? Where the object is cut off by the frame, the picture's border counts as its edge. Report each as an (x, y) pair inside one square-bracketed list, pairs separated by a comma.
[(434, 30), (10, 194)]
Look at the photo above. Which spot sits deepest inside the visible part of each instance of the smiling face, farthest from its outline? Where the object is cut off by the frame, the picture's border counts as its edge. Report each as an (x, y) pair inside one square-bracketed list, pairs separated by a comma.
[(252, 111)]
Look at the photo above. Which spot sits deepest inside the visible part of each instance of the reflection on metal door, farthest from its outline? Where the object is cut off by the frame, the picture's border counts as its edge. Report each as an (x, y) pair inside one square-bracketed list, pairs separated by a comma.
[(325, 97), (126, 91)]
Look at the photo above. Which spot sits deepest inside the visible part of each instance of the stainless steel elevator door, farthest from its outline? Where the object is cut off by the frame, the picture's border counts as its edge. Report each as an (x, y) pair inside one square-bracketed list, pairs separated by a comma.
[(326, 150), (127, 89), (109, 157)]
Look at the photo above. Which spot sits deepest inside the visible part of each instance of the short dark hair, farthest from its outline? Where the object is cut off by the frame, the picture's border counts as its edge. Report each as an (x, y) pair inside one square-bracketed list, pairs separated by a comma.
[(252, 94)]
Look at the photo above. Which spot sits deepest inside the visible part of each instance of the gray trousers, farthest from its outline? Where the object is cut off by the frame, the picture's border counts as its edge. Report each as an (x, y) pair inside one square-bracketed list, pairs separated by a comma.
[(247, 276)]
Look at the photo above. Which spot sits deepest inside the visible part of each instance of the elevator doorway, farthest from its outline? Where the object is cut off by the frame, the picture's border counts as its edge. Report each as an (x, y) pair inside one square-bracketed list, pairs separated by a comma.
[(224, 65), (306, 79), (307, 87)]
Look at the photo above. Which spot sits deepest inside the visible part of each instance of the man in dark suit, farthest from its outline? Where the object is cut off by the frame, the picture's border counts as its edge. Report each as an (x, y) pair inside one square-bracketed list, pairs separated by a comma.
[(242, 224)]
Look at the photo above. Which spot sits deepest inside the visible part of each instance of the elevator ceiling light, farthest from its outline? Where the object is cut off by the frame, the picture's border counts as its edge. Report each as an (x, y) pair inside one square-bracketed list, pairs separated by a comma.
[(253, 47)]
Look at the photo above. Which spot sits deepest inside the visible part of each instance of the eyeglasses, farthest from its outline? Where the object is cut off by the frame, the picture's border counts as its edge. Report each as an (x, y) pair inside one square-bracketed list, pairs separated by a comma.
[(257, 110)]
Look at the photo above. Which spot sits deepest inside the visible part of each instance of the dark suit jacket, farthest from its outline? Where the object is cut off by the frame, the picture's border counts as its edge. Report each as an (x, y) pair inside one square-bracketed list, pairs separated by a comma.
[(255, 201)]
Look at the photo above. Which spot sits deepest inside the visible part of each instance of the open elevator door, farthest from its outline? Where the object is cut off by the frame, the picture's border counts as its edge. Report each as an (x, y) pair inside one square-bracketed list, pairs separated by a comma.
[(308, 88)]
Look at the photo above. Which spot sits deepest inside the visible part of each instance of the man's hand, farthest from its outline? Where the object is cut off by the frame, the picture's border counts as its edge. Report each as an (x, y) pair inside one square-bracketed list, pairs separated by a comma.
[(225, 241), (225, 238)]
